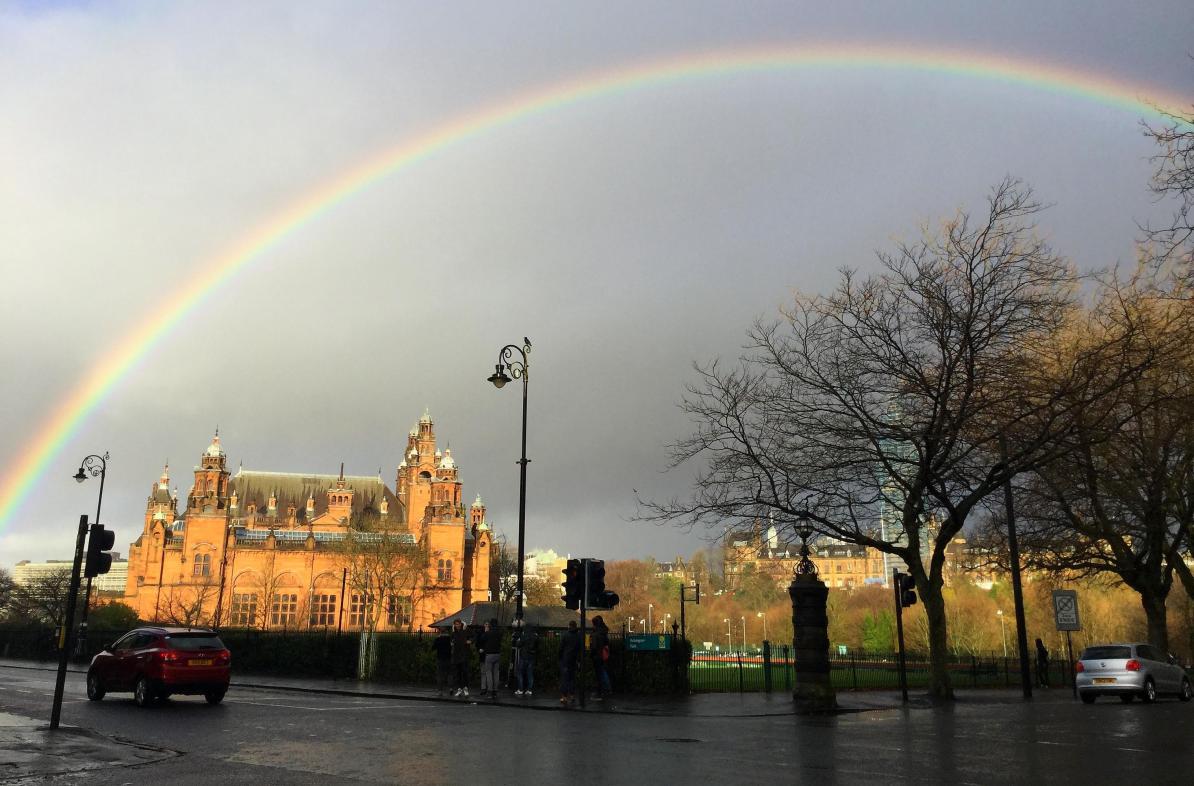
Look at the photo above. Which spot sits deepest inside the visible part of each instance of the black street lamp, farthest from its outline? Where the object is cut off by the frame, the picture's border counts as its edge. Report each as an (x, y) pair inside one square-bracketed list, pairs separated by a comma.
[(94, 466), (517, 369)]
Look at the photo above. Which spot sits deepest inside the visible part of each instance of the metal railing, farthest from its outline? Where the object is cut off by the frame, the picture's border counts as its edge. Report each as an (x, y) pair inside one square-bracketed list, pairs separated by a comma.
[(774, 669)]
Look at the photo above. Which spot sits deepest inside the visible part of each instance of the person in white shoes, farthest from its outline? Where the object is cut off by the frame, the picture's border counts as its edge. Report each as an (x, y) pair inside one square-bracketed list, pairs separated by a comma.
[(460, 648)]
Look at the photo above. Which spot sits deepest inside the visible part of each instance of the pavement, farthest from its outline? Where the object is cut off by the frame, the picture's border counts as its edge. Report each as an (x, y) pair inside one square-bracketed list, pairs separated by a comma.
[(29, 752)]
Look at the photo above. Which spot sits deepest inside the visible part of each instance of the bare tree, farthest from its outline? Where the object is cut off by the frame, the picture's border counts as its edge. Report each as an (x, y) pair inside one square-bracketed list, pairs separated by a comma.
[(1120, 503), (387, 569), (875, 413), (189, 604), (42, 599), (1174, 179)]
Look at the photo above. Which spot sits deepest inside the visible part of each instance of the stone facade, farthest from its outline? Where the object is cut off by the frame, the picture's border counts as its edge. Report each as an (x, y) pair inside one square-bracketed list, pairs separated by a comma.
[(268, 549)]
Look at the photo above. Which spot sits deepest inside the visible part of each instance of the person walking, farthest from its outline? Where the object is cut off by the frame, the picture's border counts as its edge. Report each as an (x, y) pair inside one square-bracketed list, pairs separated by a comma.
[(1042, 664), (599, 652), (442, 646), (460, 647), (524, 660), (570, 648), (490, 647)]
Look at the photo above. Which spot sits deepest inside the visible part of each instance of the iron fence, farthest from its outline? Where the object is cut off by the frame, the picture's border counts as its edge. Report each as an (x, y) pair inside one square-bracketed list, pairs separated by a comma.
[(775, 670)]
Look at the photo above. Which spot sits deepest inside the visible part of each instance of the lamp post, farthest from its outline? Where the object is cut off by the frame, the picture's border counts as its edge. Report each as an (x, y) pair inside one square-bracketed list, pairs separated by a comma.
[(643, 621), (744, 634), (1003, 628), (518, 369), (666, 617), (649, 607), (729, 636), (92, 465), (763, 616)]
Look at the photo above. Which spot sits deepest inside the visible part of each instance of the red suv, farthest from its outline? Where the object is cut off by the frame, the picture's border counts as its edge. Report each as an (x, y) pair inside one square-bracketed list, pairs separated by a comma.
[(156, 662)]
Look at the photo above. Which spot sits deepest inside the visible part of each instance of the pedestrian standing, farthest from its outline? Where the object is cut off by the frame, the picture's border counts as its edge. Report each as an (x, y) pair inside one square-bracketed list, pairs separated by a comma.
[(599, 652), (442, 646), (1042, 664), (524, 660), (570, 648), (490, 647), (460, 647)]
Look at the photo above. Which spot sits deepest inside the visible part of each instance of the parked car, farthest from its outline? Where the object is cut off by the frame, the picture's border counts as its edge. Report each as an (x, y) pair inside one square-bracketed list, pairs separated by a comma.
[(155, 662), (1128, 671)]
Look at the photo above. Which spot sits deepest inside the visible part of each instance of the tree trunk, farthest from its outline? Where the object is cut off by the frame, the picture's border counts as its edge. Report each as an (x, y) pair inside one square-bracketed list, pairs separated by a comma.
[(1158, 625), (940, 688)]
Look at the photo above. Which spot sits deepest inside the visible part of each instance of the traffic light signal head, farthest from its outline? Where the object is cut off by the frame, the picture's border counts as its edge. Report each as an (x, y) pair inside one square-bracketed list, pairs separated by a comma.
[(574, 584), (598, 596), (99, 541), (907, 590)]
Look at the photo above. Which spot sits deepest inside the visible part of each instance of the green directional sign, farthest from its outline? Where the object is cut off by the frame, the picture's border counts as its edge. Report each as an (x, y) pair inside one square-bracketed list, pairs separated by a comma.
[(649, 641)]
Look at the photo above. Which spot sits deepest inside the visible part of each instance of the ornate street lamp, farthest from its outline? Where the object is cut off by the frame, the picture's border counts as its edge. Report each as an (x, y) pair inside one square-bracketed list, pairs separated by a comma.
[(95, 466), (509, 367)]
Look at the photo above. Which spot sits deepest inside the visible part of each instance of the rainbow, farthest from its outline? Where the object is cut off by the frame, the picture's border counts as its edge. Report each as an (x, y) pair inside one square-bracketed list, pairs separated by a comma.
[(69, 414)]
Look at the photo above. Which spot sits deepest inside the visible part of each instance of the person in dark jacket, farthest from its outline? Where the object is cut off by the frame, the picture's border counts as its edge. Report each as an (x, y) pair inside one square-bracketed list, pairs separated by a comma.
[(490, 647), (442, 646), (599, 652), (570, 648), (1042, 664), (524, 659), (460, 646)]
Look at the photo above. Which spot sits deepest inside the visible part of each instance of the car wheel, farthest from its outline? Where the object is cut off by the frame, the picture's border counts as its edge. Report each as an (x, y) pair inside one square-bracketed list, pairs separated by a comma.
[(1127, 698), (1087, 698), (1187, 692), (1150, 691), (214, 697), (95, 688), (143, 692)]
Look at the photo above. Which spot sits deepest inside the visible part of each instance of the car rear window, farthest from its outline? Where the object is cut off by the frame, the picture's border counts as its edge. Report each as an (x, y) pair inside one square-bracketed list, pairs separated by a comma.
[(193, 641), (1107, 653)]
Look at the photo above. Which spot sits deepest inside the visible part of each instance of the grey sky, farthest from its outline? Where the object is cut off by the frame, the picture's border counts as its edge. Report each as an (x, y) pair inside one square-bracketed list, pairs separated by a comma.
[(627, 235)]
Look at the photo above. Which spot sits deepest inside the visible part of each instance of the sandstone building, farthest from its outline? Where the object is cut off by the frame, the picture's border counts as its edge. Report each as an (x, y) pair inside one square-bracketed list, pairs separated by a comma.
[(283, 550)]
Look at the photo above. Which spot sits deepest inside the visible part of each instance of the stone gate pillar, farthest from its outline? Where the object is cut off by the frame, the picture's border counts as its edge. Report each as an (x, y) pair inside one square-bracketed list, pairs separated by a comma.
[(810, 639)]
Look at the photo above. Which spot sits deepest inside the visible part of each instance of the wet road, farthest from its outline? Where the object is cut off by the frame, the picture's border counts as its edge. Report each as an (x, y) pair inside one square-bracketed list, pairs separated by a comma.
[(268, 737)]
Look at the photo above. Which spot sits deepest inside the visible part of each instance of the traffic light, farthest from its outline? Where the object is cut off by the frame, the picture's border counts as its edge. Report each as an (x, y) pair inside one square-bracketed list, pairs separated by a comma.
[(98, 542), (907, 589), (598, 597), (574, 584)]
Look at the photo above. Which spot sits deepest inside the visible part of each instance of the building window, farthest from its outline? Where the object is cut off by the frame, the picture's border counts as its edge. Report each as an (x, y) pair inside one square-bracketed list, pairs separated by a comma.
[(444, 570), (244, 609), (323, 610), (358, 608), (202, 566), (399, 611), (284, 609)]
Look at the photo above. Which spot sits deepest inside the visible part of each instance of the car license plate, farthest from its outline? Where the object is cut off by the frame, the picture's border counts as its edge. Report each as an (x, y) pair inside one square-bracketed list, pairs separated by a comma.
[(207, 662), (1098, 680)]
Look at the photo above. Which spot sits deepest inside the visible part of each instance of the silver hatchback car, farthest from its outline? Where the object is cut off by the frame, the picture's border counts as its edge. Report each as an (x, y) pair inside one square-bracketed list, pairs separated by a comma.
[(1128, 671)]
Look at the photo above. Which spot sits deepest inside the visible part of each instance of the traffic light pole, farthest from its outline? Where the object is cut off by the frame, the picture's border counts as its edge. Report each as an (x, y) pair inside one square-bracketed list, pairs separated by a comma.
[(584, 644), (897, 587), (68, 624)]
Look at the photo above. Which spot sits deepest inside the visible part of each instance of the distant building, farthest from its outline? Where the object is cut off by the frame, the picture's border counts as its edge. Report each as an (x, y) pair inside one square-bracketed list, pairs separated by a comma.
[(112, 582), (545, 564), (840, 565)]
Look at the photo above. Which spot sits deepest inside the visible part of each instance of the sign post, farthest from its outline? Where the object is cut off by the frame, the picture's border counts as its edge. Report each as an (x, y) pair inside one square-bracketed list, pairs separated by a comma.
[(1065, 615)]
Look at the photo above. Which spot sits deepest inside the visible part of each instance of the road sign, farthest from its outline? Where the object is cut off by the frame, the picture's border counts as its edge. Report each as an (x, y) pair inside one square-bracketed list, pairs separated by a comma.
[(1065, 610), (648, 641)]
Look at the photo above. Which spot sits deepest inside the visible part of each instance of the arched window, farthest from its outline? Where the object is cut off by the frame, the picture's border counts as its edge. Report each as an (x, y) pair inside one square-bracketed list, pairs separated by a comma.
[(202, 566), (439, 572), (447, 570)]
